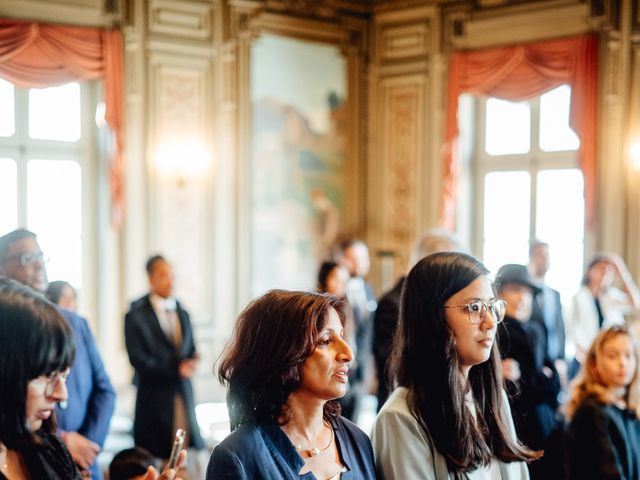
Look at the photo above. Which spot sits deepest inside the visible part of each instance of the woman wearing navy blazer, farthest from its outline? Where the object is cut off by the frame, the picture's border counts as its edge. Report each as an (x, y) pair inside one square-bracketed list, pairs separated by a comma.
[(284, 367)]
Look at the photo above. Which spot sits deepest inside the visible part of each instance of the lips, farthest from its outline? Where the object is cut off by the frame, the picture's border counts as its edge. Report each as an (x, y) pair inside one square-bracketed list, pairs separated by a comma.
[(486, 341), (342, 374), (43, 414)]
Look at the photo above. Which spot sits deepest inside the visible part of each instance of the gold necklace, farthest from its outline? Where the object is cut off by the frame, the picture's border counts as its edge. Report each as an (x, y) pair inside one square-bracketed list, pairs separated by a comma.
[(315, 451)]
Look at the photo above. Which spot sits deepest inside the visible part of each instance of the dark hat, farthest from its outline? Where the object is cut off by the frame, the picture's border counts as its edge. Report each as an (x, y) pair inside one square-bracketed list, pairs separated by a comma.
[(515, 274)]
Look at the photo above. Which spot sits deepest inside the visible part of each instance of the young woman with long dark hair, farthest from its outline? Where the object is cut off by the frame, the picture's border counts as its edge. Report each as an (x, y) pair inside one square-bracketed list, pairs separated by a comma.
[(449, 416)]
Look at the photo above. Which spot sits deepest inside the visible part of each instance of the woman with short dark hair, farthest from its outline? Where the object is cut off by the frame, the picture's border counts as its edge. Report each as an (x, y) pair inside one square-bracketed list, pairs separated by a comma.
[(285, 365), (36, 353), (449, 416)]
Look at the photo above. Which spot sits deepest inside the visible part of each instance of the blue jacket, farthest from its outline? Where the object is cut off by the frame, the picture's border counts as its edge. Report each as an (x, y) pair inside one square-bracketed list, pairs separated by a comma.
[(264, 452), (91, 396)]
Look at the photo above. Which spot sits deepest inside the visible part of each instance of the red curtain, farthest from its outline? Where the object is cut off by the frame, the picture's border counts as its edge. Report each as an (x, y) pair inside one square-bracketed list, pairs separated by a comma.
[(36, 55), (520, 72)]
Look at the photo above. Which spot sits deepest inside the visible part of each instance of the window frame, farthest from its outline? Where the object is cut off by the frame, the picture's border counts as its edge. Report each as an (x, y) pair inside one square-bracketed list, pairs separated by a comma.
[(532, 162), (85, 152)]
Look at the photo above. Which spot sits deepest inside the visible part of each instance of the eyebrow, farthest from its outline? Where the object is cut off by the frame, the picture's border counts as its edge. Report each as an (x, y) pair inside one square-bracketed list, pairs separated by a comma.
[(331, 330), (475, 299)]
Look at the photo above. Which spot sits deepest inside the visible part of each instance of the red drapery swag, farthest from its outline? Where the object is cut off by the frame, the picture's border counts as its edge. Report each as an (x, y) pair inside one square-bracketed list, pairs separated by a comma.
[(517, 73), (37, 55)]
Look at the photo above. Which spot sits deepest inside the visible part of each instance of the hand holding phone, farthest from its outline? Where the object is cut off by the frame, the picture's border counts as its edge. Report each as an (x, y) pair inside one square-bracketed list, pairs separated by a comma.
[(178, 441)]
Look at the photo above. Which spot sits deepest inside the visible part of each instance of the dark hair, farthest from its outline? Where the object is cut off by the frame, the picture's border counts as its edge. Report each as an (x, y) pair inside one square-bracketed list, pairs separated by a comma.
[(10, 238), (151, 263), (54, 290), (37, 341), (597, 258), (262, 364), (436, 394), (323, 274), (130, 463)]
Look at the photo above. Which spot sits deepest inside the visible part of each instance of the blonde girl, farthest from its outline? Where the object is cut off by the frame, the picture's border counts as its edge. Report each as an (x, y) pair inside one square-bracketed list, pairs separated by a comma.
[(604, 410)]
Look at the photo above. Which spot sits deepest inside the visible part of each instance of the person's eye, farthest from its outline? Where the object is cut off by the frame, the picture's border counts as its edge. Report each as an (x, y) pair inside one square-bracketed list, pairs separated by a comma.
[(324, 341), (475, 307)]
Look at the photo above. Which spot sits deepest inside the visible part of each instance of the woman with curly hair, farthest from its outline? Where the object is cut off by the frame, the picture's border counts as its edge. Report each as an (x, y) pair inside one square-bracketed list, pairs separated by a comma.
[(449, 416), (285, 366), (604, 410)]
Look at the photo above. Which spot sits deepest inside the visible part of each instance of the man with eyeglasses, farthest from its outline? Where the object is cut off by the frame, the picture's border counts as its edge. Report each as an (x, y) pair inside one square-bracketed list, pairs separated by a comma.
[(84, 423), (532, 378)]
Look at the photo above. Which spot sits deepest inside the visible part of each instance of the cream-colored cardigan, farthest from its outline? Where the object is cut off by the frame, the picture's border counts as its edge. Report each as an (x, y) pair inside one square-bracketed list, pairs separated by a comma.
[(403, 451)]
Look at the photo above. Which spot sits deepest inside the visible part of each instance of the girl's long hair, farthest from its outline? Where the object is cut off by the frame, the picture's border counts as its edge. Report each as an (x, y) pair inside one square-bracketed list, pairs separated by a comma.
[(589, 382), (426, 362)]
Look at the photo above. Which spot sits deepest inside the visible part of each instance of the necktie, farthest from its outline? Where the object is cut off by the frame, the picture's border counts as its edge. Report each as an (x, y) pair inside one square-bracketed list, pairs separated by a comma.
[(173, 324)]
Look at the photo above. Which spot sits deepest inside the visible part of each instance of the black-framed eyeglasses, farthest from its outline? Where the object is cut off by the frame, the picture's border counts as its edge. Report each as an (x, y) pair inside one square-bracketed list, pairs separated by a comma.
[(29, 258), (52, 380), (478, 309)]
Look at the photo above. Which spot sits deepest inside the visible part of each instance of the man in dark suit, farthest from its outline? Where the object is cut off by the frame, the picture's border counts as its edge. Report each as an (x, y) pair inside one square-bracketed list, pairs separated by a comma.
[(546, 308), (84, 420), (162, 351)]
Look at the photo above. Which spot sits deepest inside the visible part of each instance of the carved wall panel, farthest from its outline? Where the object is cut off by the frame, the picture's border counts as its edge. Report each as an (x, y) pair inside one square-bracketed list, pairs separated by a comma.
[(180, 163), (525, 23), (182, 19), (86, 13), (401, 123), (404, 41)]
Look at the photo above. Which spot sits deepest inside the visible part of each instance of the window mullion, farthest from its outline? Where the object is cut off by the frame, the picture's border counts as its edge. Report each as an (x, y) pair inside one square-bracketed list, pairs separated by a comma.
[(536, 157), (21, 137)]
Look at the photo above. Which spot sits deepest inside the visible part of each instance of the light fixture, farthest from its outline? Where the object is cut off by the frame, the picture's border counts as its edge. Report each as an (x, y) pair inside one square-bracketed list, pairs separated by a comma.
[(182, 161)]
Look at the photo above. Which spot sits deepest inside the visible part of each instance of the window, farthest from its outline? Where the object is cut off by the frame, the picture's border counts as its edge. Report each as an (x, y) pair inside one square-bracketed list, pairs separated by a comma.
[(43, 147), (528, 185)]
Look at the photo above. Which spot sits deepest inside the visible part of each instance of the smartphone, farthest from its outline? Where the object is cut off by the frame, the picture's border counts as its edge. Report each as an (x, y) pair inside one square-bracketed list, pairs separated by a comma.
[(177, 448)]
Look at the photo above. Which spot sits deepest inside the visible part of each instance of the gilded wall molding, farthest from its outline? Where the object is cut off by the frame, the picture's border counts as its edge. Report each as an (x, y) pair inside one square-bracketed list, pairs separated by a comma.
[(181, 19), (86, 13)]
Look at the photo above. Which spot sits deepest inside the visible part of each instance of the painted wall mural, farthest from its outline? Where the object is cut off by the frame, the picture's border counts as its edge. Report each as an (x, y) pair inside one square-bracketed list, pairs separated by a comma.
[(298, 136)]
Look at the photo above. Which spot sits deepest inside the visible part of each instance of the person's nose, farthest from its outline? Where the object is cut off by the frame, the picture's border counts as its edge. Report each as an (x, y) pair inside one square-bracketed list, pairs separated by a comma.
[(345, 354), (60, 392), (488, 320)]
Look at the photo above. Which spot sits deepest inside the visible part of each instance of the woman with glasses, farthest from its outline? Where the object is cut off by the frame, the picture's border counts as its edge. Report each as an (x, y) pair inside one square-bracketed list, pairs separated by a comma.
[(285, 366), (449, 416), (36, 352)]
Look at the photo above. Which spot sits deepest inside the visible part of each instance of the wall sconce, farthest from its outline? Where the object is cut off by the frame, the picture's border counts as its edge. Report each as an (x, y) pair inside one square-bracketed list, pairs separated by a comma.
[(182, 161), (635, 155)]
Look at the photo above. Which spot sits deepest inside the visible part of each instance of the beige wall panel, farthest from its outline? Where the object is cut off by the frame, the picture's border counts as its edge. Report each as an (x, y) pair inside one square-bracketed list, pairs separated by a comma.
[(182, 19)]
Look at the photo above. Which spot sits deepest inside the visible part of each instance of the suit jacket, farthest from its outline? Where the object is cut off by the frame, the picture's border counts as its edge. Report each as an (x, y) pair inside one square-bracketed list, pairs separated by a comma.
[(262, 451), (156, 362), (91, 397), (547, 311)]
